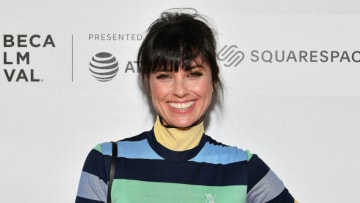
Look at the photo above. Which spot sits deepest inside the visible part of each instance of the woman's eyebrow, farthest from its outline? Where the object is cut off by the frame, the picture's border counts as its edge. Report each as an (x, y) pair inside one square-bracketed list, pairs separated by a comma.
[(196, 66)]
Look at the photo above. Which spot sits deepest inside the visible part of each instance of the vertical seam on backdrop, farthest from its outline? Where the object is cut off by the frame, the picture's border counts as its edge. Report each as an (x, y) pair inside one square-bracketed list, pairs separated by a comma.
[(72, 58)]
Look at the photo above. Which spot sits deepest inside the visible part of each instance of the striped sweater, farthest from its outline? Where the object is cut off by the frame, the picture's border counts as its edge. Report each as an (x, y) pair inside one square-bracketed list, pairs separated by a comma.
[(148, 172)]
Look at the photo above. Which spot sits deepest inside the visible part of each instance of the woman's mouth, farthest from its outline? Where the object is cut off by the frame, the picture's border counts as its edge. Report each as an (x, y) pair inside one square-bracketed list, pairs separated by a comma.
[(182, 105)]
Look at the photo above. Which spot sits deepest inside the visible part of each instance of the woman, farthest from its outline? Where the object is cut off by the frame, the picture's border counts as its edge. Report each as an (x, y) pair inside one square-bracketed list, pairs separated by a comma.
[(175, 161)]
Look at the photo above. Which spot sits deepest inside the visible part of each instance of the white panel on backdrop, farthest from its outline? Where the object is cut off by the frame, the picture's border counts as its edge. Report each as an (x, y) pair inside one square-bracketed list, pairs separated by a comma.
[(291, 76)]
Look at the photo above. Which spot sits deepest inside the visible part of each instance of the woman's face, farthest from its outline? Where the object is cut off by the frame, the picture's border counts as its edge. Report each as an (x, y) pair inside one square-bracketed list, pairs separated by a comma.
[(182, 98)]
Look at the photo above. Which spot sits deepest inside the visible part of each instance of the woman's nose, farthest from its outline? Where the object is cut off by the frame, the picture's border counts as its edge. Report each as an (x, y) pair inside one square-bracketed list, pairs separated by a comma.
[(180, 88)]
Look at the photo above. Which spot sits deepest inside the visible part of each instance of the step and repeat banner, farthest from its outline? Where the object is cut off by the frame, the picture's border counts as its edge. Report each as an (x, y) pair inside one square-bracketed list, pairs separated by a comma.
[(292, 89)]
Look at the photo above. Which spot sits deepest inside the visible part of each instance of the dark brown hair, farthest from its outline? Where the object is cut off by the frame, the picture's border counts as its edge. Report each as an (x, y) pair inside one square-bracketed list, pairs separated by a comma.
[(175, 40)]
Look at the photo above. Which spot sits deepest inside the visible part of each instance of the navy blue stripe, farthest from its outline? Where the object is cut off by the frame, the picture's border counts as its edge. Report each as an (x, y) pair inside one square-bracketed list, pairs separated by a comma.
[(214, 142), (139, 137), (174, 155), (98, 164), (182, 172), (84, 200), (257, 170)]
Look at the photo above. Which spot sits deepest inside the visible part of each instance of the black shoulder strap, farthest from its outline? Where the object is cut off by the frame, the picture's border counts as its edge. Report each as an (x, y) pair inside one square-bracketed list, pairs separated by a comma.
[(112, 170)]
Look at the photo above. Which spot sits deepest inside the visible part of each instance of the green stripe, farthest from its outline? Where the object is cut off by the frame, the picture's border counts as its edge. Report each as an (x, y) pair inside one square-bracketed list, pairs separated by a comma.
[(98, 148), (132, 191), (248, 154)]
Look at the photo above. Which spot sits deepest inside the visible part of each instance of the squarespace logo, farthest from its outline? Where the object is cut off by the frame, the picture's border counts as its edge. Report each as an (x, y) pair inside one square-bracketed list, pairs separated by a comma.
[(16, 61), (232, 56)]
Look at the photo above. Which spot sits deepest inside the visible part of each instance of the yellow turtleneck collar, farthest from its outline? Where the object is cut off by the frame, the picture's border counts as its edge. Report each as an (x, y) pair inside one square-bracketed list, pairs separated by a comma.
[(177, 139)]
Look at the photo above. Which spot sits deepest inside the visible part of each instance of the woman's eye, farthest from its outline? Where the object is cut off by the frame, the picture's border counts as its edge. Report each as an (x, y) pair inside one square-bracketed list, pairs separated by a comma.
[(162, 76), (195, 74)]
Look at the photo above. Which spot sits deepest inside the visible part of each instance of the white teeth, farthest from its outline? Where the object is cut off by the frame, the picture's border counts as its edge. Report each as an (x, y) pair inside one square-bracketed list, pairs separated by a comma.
[(181, 105)]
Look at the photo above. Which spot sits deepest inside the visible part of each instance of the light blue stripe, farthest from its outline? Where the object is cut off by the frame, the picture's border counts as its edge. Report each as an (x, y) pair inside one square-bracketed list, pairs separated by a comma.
[(217, 154), (132, 149), (106, 148), (91, 187)]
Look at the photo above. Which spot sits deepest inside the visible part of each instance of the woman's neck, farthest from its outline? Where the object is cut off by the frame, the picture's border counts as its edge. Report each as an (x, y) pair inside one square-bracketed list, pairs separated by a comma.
[(178, 139)]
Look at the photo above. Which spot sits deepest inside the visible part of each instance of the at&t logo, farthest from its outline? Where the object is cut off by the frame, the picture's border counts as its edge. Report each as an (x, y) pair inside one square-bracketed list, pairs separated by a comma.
[(104, 66)]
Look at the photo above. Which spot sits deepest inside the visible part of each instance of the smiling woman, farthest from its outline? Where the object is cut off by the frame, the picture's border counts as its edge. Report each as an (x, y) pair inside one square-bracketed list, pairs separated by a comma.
[(176, 161), (181, 98)]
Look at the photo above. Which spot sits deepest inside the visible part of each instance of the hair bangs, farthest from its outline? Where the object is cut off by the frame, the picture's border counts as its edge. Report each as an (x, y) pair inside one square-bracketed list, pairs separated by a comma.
[(177, 48)]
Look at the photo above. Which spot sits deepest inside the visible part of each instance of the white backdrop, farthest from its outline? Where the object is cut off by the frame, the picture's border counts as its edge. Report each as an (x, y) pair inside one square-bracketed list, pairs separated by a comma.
[(300, 112)]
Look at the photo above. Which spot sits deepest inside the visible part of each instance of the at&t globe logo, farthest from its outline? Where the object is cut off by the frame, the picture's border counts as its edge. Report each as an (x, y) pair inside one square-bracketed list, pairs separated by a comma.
[(104, 66)]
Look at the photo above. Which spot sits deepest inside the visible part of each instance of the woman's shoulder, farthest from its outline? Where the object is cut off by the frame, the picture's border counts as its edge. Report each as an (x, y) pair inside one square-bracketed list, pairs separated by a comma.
[(106, 147), (131, 147), (222, 153)]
